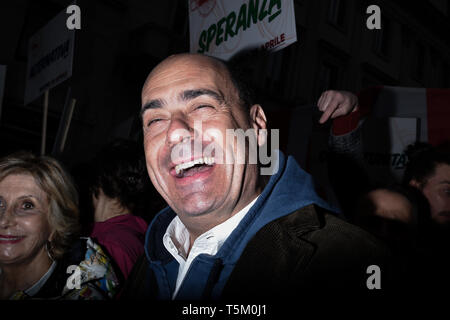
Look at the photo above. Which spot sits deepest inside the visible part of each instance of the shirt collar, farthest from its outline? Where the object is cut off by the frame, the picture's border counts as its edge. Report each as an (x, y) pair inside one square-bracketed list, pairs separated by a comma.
[(34, 289), (177, 239)]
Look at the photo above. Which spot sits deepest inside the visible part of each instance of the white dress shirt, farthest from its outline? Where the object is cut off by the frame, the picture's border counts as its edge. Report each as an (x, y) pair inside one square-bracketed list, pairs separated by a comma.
[(177, 240)]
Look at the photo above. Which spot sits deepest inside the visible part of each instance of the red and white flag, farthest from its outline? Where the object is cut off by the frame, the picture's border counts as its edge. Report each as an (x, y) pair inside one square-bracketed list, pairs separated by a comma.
[(430, 105), (394, 118)]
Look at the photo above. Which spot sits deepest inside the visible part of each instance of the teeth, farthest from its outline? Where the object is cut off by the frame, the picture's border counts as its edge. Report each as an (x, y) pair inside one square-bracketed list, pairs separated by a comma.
[(183, 166), (9, 239)]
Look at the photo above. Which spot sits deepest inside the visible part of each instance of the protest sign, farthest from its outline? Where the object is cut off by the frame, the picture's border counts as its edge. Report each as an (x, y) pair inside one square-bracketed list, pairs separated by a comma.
[(221, 28)]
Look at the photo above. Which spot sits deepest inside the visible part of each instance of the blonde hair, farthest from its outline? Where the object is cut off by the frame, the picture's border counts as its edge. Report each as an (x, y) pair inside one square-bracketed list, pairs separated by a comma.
[(62, 195)]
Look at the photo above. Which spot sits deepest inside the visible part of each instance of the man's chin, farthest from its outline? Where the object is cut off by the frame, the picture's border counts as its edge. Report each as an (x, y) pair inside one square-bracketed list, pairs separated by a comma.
[(194, 207), (196, 211)]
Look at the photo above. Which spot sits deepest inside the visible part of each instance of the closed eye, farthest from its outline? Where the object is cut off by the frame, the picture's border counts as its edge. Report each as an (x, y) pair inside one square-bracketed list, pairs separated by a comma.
[(152, 122), (203, 106)]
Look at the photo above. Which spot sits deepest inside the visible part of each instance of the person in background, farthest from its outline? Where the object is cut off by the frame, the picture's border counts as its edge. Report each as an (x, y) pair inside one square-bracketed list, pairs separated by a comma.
[(118, 189), (347, 171), (41, 255), (395, 214), (427, 179), (428, 170)]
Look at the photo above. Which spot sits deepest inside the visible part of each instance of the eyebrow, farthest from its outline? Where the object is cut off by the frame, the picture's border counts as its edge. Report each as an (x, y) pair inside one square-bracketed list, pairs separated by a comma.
[(192, 94), (153, 104), (184, 96), (26, 197), (29, 196)]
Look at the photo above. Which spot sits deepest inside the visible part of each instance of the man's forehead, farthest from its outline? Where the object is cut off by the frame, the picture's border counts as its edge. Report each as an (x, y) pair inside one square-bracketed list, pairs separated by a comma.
[(188, 63), (193, 71), (191, 58)]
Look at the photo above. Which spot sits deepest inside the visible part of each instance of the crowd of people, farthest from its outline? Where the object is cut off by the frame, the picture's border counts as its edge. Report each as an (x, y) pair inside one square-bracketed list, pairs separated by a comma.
[(227, 231)]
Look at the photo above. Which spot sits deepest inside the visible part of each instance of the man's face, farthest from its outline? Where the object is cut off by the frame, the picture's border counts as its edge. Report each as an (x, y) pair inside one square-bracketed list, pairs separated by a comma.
[(187, 98), (437, 191)]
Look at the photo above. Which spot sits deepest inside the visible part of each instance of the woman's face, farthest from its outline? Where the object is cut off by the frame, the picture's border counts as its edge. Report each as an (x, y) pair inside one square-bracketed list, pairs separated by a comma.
[(24, 226)]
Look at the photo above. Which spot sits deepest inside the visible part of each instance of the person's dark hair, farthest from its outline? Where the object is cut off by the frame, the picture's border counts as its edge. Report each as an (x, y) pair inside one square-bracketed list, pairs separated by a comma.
[(119, 170), (239, 68), (240, 80), (422, 161)]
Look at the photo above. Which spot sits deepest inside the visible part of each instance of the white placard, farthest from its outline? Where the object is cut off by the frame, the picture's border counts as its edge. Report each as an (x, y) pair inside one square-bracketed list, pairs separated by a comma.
[(221, 28), (385, 140), (50, 57)]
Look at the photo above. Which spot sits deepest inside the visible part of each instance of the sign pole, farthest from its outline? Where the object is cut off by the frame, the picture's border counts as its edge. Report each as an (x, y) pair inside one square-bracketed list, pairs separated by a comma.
[(66, 129), (44, 122), (2, 86)]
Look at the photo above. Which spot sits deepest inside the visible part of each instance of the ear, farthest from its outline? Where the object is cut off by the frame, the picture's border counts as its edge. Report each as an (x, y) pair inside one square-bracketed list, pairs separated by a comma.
[(94, 200), (259, 123), (97, 194)]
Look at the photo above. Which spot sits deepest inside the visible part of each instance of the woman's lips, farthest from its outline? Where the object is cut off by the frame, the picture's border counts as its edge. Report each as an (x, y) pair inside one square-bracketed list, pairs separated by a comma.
[(4, 239)]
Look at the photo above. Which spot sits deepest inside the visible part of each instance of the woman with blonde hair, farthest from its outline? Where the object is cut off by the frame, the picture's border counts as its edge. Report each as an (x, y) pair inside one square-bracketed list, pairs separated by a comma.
[(41, 256)]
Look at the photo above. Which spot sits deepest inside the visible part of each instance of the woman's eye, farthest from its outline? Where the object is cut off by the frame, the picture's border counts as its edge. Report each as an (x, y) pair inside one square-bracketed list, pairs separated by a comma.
[(27, 205)]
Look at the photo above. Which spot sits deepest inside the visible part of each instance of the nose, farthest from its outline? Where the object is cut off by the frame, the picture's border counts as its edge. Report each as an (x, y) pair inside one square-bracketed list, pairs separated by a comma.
[(178, 131), (6, 218)]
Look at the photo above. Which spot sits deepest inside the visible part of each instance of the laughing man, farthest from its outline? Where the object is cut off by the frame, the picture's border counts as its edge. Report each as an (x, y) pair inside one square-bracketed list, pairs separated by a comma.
[(228, 231)]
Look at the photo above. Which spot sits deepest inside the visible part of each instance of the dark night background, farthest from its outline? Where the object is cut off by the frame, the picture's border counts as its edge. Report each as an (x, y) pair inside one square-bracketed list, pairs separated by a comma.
[(120, 41)]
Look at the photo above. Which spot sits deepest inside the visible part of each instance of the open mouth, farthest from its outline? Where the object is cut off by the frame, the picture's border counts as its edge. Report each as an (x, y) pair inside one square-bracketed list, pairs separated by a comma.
[(190, 168)]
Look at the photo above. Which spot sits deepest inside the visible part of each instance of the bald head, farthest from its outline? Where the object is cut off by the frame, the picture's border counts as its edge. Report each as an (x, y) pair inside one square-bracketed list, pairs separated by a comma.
[(188, 59), (230, 75)]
